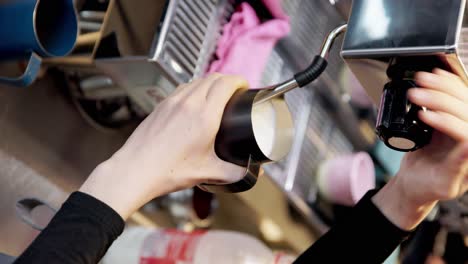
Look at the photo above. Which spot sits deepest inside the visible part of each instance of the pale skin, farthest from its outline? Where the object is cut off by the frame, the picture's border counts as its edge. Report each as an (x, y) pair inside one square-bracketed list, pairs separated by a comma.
[(173, 149), (439, 171)]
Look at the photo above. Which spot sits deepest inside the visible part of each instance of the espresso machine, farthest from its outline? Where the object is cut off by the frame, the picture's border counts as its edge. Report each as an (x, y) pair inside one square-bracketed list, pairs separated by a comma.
[(386, 43)]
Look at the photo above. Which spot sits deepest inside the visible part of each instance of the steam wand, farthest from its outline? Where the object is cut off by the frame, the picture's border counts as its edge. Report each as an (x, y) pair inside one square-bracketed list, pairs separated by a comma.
[(301, 79), (236, 141)]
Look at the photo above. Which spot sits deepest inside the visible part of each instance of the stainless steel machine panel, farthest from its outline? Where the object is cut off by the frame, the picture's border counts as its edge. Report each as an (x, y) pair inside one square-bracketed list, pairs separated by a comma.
[(379, 30), (188, 37), (183, 44)]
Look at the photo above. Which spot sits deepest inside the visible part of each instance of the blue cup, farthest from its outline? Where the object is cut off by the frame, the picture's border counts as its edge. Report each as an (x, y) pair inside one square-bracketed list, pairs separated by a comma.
[(33, 29)]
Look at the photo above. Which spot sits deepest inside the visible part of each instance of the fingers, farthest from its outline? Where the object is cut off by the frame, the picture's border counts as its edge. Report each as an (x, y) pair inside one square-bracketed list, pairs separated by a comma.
[(227, 172), (445, 73), (445, 82), (216, 88), (197, 88), (439, 102), (221, 91), (446, 96), (446, 123), (202, 87), (217, 171)]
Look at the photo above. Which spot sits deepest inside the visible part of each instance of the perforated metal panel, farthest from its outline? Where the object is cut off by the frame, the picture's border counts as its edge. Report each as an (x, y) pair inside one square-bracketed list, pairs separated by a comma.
[(189, 35)]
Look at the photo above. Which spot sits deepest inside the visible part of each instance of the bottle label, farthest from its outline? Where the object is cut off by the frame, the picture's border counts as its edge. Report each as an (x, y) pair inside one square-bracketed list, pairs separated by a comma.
[(170, 247), (283, 258)]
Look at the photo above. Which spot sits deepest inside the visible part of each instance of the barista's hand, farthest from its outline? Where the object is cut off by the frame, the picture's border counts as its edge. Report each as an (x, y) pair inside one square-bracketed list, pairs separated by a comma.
[(172, 149), (440, 170)]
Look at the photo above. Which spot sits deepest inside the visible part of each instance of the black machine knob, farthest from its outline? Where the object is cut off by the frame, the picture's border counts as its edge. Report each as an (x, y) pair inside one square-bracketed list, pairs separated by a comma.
[(398, 125)]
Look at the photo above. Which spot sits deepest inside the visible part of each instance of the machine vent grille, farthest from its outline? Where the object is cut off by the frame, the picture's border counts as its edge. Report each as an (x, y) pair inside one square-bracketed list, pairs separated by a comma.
[(189, 35)]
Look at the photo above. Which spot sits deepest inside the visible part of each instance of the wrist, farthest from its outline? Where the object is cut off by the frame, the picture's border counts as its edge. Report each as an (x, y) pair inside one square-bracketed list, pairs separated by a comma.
[(105, 185), (399, 208)]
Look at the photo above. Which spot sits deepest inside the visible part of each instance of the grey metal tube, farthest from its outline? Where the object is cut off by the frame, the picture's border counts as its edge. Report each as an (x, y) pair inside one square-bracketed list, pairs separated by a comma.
[(292, 84), (332, 36), (277, 91)]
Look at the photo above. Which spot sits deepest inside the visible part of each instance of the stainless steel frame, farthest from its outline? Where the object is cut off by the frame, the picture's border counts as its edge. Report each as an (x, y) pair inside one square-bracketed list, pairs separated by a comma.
[(374, 58)]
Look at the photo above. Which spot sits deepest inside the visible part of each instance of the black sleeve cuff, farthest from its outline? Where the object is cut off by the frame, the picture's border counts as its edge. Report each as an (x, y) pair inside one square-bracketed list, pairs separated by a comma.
[(95, 209), (364, 236), (81, 232), (368, 212), (368, 206)]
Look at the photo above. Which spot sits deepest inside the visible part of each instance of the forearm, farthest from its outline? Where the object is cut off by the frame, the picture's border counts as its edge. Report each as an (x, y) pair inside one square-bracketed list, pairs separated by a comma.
[(105, 184), (113, 184), (116, 183), (80, 233)]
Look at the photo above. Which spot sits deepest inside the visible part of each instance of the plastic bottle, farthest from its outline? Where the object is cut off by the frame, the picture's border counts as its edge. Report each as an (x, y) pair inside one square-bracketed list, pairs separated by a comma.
[(160, 246)]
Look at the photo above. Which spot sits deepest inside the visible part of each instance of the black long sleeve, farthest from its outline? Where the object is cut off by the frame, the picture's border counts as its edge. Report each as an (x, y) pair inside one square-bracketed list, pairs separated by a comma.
[(84, 228), (365, 236), (80, 233)]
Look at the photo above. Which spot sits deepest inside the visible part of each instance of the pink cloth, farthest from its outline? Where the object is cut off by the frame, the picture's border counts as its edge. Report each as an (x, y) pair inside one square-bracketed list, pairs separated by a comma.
[(246, 43)]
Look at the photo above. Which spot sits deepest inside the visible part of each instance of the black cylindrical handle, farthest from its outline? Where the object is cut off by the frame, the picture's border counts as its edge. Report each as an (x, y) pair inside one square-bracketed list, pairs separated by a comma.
[(310, 74), (398, 124)]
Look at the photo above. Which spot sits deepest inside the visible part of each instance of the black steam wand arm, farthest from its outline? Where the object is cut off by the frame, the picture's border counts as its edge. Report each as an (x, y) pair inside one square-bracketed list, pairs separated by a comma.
[(301, 79)]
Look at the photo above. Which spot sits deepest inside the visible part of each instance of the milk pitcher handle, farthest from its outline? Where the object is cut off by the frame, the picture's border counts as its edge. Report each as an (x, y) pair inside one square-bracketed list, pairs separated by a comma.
[(28, 76)]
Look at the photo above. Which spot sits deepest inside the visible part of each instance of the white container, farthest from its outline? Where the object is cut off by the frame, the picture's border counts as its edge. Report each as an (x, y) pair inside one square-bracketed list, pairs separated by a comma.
[(153, 246)]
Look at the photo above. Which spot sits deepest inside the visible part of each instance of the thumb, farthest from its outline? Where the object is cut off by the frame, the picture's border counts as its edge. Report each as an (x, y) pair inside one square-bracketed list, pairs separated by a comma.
[(458, 159), (450, 176), (464, 167)]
